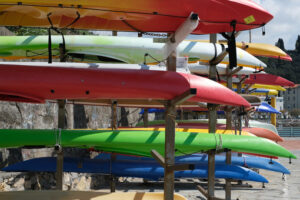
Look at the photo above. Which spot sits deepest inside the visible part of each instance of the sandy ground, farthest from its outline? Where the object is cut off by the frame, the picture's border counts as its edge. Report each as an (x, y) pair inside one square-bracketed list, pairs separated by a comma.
[(277, 188)]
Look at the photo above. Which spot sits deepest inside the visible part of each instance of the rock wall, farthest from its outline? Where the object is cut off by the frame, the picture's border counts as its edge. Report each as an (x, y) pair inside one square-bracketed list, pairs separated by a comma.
[(44, 116)]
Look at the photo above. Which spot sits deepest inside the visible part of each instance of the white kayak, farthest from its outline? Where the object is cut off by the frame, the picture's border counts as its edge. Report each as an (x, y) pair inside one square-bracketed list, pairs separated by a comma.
[(198, 69), (110, 48)]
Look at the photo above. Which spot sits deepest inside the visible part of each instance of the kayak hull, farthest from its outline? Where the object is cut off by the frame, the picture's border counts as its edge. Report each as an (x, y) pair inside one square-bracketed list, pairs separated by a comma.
[(144, 141), (38, 83), (114, 49), (132, 168), (215, 16)]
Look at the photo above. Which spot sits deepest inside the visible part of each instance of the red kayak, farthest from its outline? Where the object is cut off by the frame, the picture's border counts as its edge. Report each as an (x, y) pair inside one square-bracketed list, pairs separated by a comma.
[(262, 132), (36, 84), (268, 79), (131, 15)]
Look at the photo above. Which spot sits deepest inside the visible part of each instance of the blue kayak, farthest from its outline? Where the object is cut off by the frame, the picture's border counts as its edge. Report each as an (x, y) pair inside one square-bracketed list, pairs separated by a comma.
[(131, 168), (244, 161)]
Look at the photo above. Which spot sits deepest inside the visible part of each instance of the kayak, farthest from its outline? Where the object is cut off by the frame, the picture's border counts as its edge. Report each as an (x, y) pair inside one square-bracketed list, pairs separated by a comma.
[(265, 133), (220, 124), (186, 126), (258, 49), (185, 129), (268, 79), (35, 84), (200, 159), (260, 86), (130, 15), (221, 68), (131, 168), (140, 142), (74, 195), (130, 50)]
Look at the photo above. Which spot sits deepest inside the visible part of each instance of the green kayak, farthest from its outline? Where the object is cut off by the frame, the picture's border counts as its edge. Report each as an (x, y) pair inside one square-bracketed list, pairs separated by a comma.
[(140, 142)]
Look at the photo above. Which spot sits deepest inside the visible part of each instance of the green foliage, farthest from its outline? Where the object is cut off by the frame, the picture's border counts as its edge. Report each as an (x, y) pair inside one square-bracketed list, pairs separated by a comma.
[(280, 44), (297, 46), (295, 113), (286, 69)]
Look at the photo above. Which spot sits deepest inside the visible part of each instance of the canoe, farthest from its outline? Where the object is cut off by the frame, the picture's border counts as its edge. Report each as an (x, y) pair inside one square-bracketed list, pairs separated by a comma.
[(265, 133), (268, 79), (114, 49), (131, 168), (129, 15), (35, 84), (140, 142), (75, 195)]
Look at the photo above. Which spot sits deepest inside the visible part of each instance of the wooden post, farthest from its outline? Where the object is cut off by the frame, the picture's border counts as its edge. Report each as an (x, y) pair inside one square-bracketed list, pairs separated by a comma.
[(170, 138), (59, 151), (228, 183), (114, 33), (212, 120), (145, 117), (114, 117)]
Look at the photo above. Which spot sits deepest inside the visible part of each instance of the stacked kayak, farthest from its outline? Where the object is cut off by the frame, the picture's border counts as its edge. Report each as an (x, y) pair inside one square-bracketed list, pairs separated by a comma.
[(132, 168), (116, 49), (140, 142), (129, 15), (19, 83), (189, 125)]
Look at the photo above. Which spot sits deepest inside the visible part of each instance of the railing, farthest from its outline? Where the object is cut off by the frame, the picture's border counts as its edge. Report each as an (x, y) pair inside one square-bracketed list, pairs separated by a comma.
[(289, 131)]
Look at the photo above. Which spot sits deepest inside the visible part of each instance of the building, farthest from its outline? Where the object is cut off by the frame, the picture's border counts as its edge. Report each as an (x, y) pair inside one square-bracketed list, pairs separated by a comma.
[(291, 98)]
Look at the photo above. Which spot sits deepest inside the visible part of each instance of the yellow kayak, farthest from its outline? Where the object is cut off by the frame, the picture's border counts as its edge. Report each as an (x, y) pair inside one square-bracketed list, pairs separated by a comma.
[(261, 86), (259, 49), (74, 195), (269, 92), (194, 130)]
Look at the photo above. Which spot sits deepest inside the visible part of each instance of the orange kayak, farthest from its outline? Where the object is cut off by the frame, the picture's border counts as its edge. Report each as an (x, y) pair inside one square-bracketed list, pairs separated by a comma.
[(265, 133)]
